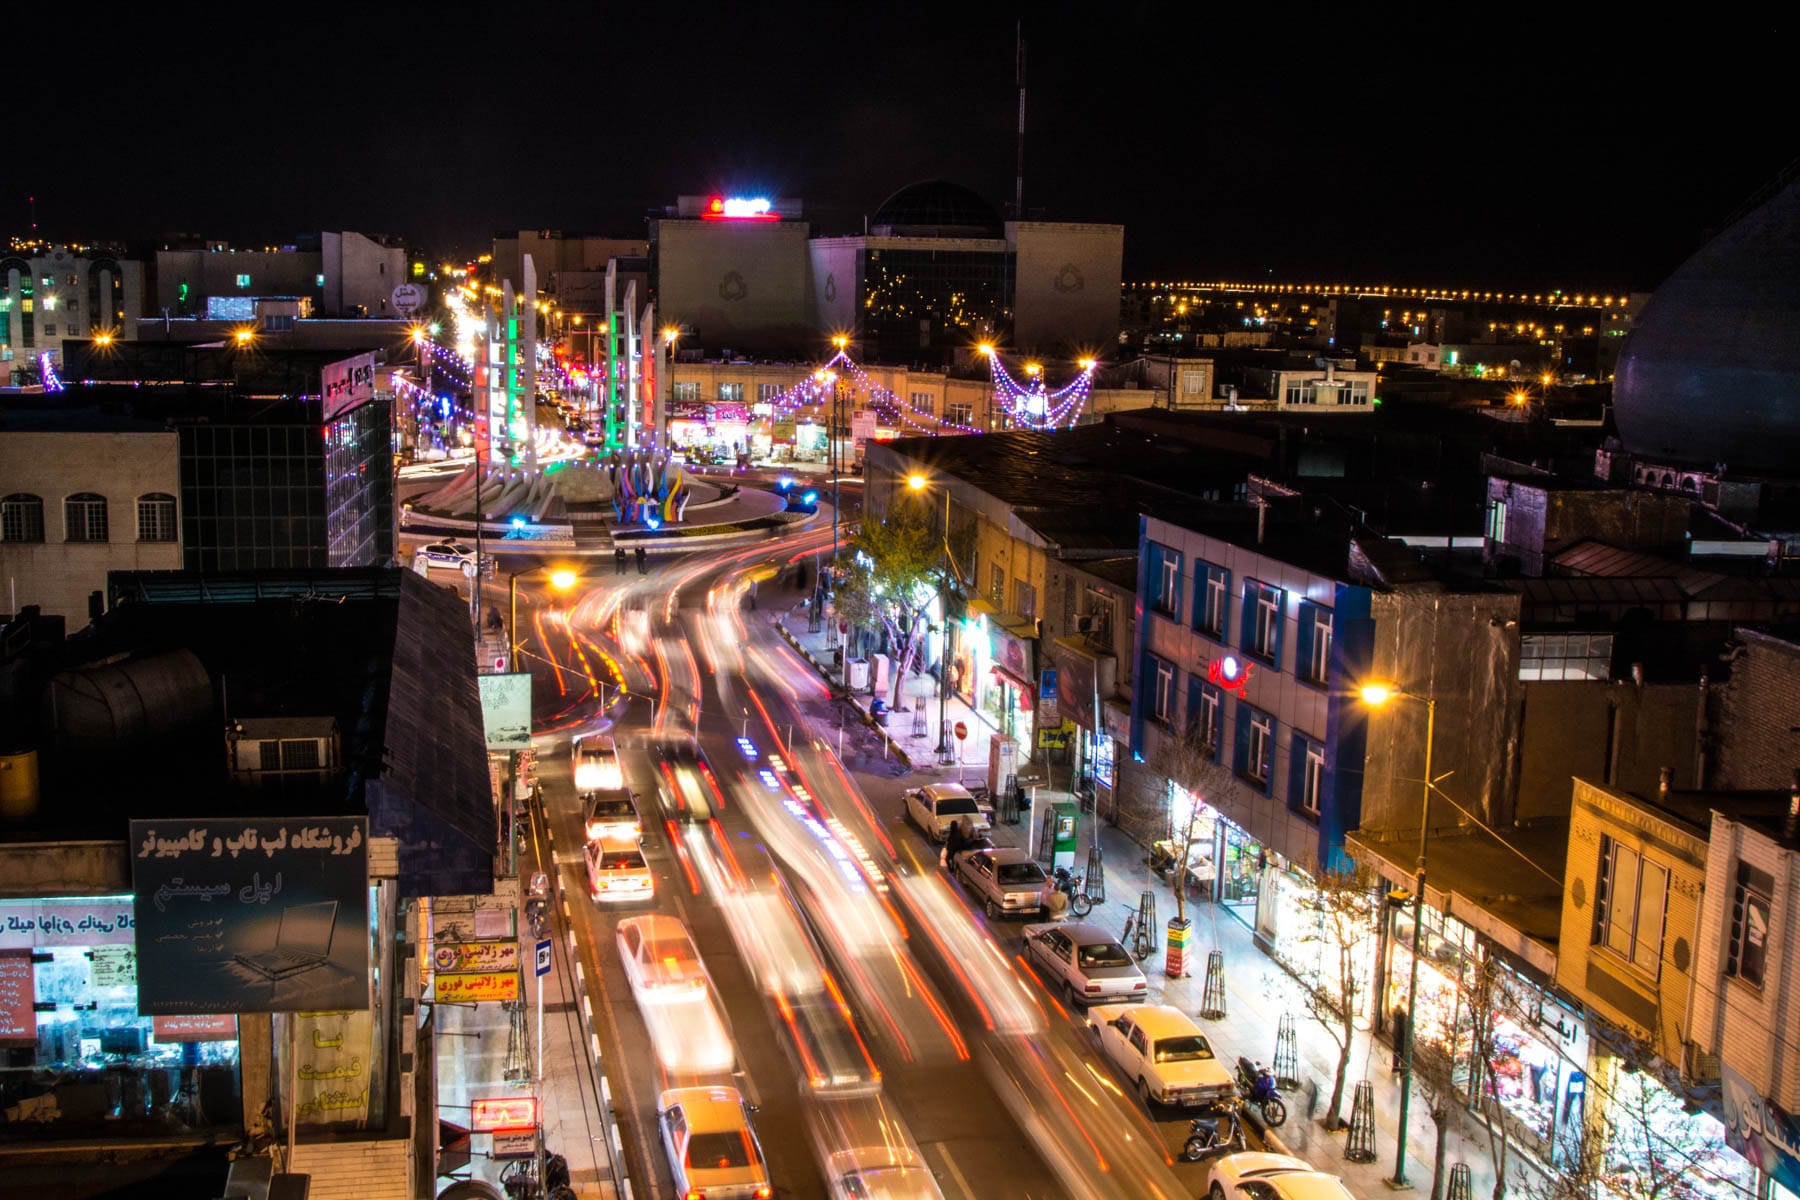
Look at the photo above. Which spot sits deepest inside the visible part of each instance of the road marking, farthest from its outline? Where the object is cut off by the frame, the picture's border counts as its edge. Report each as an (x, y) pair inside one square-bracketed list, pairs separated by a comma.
[(950, 1165)]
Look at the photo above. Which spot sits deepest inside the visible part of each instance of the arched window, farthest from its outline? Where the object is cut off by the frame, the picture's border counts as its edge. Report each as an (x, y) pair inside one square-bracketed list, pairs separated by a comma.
[(22, 518), (156, 517), (84, 518)]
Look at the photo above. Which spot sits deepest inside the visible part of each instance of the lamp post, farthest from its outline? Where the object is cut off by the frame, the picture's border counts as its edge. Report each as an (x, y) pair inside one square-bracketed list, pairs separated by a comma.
[(561, 578), (986, 350), (1375, 695), (671, 335), (919, 483)]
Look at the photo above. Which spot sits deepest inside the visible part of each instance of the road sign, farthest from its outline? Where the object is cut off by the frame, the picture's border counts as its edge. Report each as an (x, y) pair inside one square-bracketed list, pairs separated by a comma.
[(543, 957), (1047, 684), (408, 298), (962, 731)]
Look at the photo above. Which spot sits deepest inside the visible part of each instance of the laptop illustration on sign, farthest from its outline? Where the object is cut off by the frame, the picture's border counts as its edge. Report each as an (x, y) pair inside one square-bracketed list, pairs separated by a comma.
[(302, 942)]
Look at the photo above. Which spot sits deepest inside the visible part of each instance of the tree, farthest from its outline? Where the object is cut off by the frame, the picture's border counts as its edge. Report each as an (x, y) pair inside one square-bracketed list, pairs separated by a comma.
[(1343, 904), (887, 581), (1434, 1080), (1190, 760)]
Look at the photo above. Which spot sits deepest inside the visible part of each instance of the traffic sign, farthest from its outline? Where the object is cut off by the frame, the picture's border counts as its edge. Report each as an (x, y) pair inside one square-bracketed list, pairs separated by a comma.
[(1047, 684), (543, 957), (962, 731)]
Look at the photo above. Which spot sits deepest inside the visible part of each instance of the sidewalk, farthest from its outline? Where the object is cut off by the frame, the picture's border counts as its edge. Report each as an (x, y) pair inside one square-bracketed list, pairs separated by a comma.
[(1258, 989)]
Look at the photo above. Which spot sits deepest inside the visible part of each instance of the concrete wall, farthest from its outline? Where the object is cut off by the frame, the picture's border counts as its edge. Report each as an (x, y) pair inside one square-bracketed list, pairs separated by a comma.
[(554, 252), (56, 574), (834, 282), (1618, 734), (1648, 1001), (360, 275), (1066, 286), (736, 285)]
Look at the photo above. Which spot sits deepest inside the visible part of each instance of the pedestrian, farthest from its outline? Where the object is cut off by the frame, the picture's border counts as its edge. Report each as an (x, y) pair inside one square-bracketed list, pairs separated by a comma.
[(642, 570), (1400, 1029), (800, 576), (619, 560), (753, 595), (956, 840)]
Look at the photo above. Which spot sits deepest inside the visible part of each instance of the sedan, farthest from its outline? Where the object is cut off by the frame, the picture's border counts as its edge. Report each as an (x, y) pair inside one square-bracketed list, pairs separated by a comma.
[(660, 960), (1254, 1175), (1084, 963), (1005, 879), (447, 554), (1160, 1050), (712, 1148)]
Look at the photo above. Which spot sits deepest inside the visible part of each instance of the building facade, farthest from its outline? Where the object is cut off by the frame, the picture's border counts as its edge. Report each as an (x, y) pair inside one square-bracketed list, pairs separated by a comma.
[(48, 293)]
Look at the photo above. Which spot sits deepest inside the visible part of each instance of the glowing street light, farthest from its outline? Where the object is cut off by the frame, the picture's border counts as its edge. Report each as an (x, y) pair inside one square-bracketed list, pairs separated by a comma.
[(916, 482), (244, 336)]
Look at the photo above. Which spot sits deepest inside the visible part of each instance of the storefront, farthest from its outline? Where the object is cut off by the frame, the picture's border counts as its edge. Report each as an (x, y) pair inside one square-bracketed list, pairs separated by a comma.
[(76, 1059), (1009, 691)]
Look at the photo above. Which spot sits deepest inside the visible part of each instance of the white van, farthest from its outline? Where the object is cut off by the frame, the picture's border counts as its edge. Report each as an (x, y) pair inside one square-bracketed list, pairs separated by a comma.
[(596, 764)]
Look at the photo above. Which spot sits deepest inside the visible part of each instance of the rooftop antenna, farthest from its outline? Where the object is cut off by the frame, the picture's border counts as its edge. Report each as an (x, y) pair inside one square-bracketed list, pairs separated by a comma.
[(32, 200), (1019, 78)]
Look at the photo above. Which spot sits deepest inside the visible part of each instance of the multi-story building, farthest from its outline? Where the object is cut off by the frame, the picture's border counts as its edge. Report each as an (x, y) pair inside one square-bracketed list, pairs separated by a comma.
[(337, 275), (48, 293)]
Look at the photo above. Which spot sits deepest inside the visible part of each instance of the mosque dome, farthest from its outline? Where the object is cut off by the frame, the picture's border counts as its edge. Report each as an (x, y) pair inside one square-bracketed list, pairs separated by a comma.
[(936, 208), (1711, 373)]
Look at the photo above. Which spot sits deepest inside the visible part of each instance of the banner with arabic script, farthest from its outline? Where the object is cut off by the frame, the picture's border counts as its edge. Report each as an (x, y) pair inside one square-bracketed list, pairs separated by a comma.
[(263, 915), (337, 1061)]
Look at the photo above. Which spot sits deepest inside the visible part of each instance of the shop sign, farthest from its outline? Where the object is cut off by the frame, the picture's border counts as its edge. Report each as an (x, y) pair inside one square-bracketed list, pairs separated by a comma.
[(267, 915), (473, 988), (216, 1027), (335, 1060), (466, 957), (1057, 737), (1010, 653), (114, 966), (1115, 722), (347, 383), (1074, 682), (1765, 1134), (18, 997), (862, 426), (28, 924), (506, 710), (503, 1112), (1047, 684), (515, 1143)]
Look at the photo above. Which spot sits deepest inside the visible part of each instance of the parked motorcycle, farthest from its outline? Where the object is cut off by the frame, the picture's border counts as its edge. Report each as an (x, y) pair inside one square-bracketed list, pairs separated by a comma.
[(1214, 1135), (1256, 1084), (1075, 888)]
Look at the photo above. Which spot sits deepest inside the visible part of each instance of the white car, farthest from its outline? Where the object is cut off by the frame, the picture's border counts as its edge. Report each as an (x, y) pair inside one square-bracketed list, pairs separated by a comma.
[(447, 554), (594, 760), (616, 870), (660, 960), (712, 1147), (865, 1152), (612, 813), (1005, 879), (1085, 963), (1162, 1053), (1254, 1175), (937, 806)]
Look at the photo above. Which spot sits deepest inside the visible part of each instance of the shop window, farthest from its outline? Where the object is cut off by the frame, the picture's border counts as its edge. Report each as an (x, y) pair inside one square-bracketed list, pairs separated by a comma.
[(1630, 900), (1212, 585), (1306, 776), (1165, 581), (1205, 714), (1101, 764), (22, 518), (1751, 898), (1254, 759), (84, 518), (1162, 694), (1313, 662), (1262, 621)]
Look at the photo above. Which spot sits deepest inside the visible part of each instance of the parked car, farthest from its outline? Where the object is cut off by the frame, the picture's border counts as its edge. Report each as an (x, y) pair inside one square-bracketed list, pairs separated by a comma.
[(712, 1147), (594, 759), (936, 806), (611, 813), (1085, 963), (616, 870), (660, 960), (1162, 1053), (1005, 879), (447, 554), (1255, 1175)]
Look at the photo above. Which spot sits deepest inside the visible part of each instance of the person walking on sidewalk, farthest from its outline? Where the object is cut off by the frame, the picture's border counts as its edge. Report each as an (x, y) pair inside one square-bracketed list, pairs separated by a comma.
[(956, 840), (1400, 1032)]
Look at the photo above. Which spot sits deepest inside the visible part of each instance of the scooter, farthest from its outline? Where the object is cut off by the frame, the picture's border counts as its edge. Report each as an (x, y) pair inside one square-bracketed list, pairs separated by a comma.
[(1256, 1083), (1214, 1135)]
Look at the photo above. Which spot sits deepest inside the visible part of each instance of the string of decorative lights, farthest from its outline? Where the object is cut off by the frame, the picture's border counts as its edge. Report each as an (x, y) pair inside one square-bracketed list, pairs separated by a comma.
[(1033, 405), (52, 381)]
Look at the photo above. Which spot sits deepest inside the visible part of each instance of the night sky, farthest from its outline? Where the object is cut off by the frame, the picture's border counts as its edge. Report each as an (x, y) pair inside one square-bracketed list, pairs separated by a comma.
[(1532, 149)]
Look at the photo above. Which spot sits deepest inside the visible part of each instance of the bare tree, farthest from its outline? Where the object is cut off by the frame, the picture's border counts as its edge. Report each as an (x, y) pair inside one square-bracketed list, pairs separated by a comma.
[(1190, 759), (1343, 904), (1434, 1079)]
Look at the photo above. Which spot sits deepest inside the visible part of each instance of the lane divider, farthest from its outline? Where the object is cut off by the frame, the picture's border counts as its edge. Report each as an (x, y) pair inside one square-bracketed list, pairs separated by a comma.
[(894, 747)]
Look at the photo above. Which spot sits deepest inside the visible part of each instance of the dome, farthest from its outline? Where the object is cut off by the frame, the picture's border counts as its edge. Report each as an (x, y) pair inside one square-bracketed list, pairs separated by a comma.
[(1711, 373), (936, 208)]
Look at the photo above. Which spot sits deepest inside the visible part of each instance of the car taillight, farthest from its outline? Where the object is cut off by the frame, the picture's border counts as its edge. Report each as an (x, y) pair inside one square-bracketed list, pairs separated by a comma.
[(764, 1192), (1093, 987), (694, 1195), (1140, 985)]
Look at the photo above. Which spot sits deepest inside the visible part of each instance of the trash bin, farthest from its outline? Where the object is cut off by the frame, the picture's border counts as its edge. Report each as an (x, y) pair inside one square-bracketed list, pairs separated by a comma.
[(881, 718)]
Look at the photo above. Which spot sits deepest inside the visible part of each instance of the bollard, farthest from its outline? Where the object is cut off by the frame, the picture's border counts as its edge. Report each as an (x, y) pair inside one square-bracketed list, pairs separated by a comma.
[(1094, 882), (1212, 999), (1360, 1148), (1175, 948), (1461, 1186), (1287, 1053)]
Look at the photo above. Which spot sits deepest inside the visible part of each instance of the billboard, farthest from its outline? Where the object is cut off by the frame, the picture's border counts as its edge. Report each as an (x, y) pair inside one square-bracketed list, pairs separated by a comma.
[(265, 915), (347, 383), (506, 709)]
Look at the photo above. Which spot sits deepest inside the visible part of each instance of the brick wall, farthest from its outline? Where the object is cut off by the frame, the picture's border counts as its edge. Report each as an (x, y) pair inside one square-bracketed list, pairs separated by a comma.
[(369, 1170), (1754, 738)]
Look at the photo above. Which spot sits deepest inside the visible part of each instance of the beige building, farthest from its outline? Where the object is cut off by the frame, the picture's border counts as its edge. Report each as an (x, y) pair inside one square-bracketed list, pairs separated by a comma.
[(77, 505)]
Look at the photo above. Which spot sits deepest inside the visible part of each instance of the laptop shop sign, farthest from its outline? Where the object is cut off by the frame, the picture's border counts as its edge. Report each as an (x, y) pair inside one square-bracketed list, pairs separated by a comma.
[(262, 915)]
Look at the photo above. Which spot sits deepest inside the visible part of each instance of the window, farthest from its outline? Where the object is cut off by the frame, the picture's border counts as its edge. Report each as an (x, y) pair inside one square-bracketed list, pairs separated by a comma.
[(1751, 899), (1165, 581), (1629, 902), (1262, 621), (21, 518), (689, 391), (1565, 656), (49, 330), (731, 393), (243, 281), (1211, 584), (1163, 691), (156, 517), (1025, 598), (923, 403), (959, 414), (1255, 756), (1313, 662), (996, 585), (318, 281), (1496, 521), (1306, 779), (84, 518), (1205, 714), (766, 392)]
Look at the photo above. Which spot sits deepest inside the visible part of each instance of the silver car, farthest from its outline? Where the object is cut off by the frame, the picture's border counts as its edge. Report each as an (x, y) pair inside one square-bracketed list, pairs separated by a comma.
[(1085, 963), (1005, 879)]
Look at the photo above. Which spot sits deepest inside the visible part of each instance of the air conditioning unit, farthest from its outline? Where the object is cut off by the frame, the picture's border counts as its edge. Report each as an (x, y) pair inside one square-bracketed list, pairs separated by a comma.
[(265, 748), (1087, 623)]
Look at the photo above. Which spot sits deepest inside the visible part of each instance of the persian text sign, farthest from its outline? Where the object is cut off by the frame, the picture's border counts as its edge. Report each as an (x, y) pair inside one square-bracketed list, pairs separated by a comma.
[(217, 1027), (104, 921), (335, 1063), (463, 957), (489, 985), (347, 383), (18, 996)]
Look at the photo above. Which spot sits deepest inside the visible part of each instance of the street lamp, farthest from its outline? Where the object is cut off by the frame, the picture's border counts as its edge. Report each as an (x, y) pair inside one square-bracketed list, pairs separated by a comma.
[(986, 350), (918, 483), (1376, 695), (561, 578)]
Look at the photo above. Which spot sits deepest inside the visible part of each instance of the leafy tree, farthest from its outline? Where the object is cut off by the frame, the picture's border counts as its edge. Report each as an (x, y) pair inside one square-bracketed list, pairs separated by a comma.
[(888, 579)]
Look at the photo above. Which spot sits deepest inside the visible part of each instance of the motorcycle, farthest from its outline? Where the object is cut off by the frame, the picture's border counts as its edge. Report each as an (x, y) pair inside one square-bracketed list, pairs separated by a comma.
[(1214, 1135), (1256, 1083), (1074, 887)]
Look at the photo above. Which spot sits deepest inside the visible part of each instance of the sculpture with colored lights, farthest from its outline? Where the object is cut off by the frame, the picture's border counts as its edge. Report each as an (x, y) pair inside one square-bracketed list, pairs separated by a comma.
[(649, 490)]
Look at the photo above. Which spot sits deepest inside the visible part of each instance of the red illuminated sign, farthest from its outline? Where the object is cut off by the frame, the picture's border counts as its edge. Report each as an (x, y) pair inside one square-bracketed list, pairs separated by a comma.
[(734, 208), (1229, 673), (506, 1112)]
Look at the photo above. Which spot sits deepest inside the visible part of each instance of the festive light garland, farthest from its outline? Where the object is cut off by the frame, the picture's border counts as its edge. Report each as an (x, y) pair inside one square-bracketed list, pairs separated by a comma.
[(1033, 405), (52, 381)]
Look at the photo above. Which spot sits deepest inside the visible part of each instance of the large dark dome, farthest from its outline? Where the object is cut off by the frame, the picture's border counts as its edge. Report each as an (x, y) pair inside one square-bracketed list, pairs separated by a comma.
[(1712, 371), (936, 208)]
